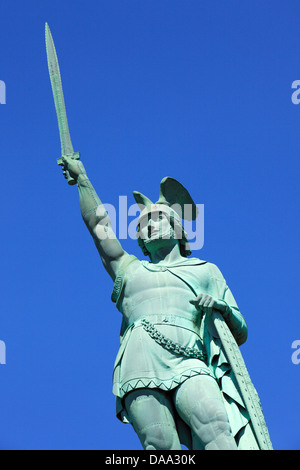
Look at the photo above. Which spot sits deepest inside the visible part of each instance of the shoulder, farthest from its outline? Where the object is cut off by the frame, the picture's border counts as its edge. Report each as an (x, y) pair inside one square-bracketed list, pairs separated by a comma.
[(214, 271), (211, 268), (127, 263)]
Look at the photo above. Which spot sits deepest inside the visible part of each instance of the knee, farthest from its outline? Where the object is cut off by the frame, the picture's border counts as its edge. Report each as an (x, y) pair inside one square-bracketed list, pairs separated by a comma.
[(219, 437), (211, 430), (211, 419), (159, 436), (215, 433)]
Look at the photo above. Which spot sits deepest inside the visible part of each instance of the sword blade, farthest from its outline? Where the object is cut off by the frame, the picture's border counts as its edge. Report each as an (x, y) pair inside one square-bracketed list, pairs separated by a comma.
[(248, 392), (55, 78)]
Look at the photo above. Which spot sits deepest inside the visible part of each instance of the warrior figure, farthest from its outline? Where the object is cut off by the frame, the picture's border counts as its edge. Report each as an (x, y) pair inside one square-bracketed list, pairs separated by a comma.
[(172, 378)]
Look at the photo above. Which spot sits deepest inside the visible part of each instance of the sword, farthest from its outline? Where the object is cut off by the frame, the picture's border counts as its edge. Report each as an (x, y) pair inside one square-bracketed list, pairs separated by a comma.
[(54, 72), (248, 392)]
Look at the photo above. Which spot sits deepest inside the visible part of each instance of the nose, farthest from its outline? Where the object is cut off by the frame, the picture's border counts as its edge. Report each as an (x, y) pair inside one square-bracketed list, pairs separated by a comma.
[(150, 225), (153, 225)]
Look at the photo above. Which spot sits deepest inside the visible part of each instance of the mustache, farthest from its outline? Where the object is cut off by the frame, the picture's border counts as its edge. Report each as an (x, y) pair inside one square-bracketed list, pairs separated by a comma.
[(168, 234)]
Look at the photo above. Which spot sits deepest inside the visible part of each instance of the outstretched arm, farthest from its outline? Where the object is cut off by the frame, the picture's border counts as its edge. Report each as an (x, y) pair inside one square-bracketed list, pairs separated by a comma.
[(96, 218)]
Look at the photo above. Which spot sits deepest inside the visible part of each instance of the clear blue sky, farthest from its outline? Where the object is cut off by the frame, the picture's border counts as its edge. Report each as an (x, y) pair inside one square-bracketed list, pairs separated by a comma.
[(200, 91)]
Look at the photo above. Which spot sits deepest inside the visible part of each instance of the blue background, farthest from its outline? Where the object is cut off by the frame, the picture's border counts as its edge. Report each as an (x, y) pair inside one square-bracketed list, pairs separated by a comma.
[(197, 90)]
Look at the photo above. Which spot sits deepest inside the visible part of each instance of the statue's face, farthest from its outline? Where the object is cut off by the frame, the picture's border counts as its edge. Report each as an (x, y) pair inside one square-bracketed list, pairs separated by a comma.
[(155, 230)]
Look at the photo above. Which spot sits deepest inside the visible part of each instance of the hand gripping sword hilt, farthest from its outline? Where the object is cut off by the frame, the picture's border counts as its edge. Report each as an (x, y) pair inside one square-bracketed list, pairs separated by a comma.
[(75, 156)]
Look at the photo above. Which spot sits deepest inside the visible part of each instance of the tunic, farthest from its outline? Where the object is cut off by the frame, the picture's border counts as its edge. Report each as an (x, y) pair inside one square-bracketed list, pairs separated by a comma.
[(159, 294)]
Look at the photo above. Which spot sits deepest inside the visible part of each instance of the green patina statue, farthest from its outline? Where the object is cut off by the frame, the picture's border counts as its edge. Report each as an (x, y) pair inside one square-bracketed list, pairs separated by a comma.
[(174, 380), (179, 377)]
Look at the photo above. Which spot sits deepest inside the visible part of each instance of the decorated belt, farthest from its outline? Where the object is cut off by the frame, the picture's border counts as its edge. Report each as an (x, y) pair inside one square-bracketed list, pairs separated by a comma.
[(171, 345)]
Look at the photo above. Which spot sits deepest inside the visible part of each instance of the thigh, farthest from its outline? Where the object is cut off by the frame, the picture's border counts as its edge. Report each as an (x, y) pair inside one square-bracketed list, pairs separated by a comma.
[(199, 394), (199, 403), (151, 414)]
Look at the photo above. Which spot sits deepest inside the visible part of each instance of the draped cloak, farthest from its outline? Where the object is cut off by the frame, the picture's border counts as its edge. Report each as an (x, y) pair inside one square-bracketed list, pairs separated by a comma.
[(218, 365)]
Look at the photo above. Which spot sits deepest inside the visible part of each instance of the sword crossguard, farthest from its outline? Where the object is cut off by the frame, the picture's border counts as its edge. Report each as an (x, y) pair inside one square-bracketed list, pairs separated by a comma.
[(75, 156)]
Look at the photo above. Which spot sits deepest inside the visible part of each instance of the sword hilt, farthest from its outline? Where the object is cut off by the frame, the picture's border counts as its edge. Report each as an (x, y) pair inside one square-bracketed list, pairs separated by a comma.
[(75, 156)]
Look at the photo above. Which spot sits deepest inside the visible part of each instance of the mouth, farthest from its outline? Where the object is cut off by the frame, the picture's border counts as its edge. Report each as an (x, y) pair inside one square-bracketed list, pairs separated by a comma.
[(153, 234)]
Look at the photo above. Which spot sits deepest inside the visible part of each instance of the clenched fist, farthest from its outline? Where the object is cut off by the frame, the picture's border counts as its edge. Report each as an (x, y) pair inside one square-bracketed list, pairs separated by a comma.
[(73, 166), (207, 303)]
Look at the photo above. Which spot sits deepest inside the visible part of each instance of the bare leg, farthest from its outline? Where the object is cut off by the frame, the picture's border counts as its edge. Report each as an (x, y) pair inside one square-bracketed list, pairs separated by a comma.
[(199, 403), (150, 412)]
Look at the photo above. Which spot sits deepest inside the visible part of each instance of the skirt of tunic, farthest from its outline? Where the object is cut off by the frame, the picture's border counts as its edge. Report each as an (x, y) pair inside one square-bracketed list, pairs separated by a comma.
[(143, 363)]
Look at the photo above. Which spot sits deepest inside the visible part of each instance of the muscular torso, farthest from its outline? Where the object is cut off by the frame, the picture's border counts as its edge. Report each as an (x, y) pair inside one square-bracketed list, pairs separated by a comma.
[(154, 290)]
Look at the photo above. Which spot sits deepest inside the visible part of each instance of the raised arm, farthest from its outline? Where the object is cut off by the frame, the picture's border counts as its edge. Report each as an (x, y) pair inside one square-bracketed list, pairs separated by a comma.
[(96, 218)]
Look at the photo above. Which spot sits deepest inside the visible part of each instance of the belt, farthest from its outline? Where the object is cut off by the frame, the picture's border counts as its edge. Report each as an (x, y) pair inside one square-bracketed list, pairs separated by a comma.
[(165, 319), (170, 345), (165, 342)]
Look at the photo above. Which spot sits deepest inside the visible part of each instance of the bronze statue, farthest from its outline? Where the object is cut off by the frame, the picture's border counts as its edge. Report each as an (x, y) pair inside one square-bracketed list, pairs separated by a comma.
[(172, 378), (179, 377)]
